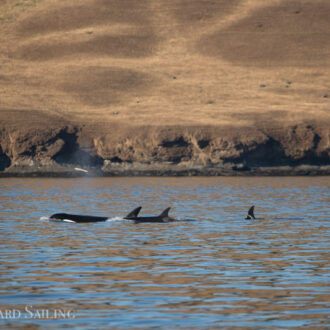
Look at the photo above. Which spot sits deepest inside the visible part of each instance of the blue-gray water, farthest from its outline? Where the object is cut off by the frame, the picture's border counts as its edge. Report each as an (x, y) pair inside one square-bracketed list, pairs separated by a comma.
[(219, 271)]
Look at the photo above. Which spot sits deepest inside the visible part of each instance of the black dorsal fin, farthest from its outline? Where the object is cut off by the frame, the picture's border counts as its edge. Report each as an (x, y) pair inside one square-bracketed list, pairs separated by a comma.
[(164, 214), (134, 213), (251, 212)]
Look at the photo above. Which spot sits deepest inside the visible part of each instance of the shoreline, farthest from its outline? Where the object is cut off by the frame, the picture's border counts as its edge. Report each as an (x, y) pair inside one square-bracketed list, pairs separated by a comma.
[(163, 170)]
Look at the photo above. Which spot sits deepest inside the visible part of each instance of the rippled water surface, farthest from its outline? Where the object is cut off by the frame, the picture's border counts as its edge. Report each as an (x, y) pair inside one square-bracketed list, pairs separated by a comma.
[(218, 271)]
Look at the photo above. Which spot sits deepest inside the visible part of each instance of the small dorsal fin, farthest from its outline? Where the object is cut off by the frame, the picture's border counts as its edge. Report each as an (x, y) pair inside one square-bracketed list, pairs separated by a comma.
[(134, 213), (251, 212), (164, 214)]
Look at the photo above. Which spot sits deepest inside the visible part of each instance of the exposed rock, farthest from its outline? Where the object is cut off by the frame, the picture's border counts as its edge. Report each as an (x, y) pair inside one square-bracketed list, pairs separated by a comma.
[(4, 160), (300, 149)]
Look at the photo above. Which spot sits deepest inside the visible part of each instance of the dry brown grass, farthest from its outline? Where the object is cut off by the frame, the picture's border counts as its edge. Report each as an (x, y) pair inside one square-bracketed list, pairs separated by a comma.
[(174, 62)]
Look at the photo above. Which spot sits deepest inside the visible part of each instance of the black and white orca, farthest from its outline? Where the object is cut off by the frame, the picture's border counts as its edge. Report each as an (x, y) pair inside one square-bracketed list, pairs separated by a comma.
[(89, 218), (163, 217), (250, 215)]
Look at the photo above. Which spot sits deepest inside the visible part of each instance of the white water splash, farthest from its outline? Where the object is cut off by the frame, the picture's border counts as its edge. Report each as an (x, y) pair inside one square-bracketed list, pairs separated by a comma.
[(115, 219), (44, 218)]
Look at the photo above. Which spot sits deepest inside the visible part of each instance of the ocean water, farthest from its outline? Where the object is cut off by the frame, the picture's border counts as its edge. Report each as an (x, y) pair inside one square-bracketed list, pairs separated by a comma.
[(210, 269)]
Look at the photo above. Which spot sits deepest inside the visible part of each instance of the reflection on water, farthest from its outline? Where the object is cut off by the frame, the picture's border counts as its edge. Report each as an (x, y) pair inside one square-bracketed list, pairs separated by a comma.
[(217, 271)]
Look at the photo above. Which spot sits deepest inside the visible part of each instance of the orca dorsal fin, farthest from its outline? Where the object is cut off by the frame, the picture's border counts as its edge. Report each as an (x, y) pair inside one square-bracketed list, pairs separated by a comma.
[(164, 214), (251, 212), (134, 213)]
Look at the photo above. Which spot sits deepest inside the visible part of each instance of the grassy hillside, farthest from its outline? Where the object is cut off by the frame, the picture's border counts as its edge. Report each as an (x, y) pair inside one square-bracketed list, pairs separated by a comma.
[(104, 64)]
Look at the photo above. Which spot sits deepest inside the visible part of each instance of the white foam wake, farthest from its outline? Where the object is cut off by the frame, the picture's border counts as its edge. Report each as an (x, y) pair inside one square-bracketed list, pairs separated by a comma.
[(44, 218), (115, 219)]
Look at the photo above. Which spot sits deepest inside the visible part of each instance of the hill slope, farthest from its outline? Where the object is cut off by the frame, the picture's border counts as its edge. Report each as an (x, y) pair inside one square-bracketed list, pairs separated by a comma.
[(235, 84)]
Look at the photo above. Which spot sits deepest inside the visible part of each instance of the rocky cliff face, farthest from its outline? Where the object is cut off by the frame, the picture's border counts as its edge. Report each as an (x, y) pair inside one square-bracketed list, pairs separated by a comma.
[(165, 150)]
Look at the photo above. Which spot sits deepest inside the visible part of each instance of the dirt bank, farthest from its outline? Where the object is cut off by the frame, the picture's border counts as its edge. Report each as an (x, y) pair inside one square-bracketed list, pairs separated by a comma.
[(57, 147)]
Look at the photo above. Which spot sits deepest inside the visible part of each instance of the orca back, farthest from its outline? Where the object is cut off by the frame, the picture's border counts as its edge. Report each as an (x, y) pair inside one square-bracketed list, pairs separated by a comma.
[(163, 217), (77, 218)]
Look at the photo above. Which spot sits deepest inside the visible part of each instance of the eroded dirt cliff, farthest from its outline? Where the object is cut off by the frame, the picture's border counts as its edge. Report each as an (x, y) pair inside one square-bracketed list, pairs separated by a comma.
[(57, 147)]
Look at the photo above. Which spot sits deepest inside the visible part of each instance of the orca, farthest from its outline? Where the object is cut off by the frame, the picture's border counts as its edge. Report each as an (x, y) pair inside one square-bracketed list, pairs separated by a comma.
[(88, 218), (163, 217), (250, 215)]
